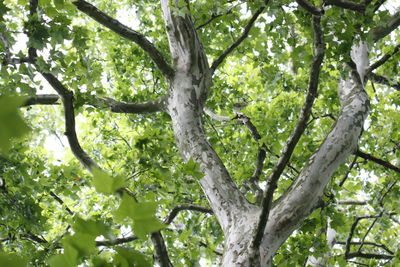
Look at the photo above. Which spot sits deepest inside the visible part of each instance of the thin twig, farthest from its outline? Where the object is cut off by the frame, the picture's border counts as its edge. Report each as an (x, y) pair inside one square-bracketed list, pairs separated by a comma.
[(59, 200), (127, 33), (319, 51), (381, 162), (244, 35)]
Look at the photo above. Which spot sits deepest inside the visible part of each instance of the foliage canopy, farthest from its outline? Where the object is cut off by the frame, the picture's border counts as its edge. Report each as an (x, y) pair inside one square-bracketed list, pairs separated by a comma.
[(109, 90)]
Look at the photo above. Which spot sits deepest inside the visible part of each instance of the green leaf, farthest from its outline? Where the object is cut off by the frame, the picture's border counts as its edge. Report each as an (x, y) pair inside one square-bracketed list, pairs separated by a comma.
[(142, 215), (129, 257), (59, 4), (61, 260), (75, 248), (193, 169), (11, 123), (89, 227), (106, 184), (12, 260)]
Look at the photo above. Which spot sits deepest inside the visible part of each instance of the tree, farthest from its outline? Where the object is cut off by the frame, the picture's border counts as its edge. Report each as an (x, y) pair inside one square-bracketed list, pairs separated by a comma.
[(231, 104)]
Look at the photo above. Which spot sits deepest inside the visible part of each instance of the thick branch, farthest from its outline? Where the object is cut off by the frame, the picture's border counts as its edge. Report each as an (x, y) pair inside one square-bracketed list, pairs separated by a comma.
[(377, 160), (359, 254), (380, 79), (382, 31), (130, 107), (215, 116), (244, 35), (160, 250), (114, 105), (67, 98), (127, 33), (309, 7), (46, 99), (383, 59), (319, 51), (117, 241), (359, 7), (352, 202)]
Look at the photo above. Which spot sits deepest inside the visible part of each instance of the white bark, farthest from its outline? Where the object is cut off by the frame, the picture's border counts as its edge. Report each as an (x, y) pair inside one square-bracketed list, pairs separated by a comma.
[(189, 87), (299, 201), (238, 218)]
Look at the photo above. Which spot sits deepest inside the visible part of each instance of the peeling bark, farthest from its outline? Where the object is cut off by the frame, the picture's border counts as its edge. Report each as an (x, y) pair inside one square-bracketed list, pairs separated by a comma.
[(189, 87)]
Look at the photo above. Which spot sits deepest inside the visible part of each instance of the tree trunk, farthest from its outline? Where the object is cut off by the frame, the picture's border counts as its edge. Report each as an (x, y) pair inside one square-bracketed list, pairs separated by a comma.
[(189, 87)]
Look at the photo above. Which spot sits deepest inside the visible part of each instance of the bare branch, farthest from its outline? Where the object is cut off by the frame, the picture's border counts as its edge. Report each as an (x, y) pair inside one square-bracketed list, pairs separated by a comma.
[(117, 241), (160, 250), (213, 17), (131, 107), (352, 202), (353, 228), (59, 200), (319, 51), (367, 244), (383, 59), (114, 105), (377, 160), (182, 207), (215, 116), (45, 99), (353, 163), (309, 7), (359, 7), (380, 79), (244, 35), (127, 33), (67, 98), (382, 31), (167, 220), (14, 61), (378, 4), (359, 254)]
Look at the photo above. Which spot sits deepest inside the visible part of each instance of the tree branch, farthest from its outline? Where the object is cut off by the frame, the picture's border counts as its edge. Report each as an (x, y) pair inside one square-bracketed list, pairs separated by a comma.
[(182, 207), (213, 17), (367, 244), (167, 220), (59, 200), (309, 7), (114, 105), (45, 99), (117, 241), (127, 33), (383, 59), (215, 116), (382, 31), (353, 163), (319, 51), (377, 160), (359, 7), (378, 4), (352, 202), (244, 35), (160, 251), (359, 254), (380, 79), (67, 98)]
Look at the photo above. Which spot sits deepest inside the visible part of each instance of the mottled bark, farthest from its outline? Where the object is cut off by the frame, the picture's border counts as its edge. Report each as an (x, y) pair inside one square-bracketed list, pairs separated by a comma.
[(188, 90)]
